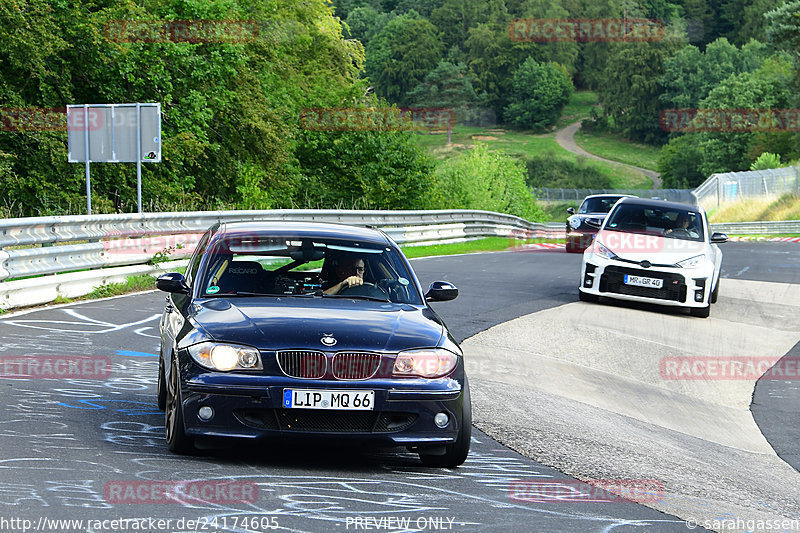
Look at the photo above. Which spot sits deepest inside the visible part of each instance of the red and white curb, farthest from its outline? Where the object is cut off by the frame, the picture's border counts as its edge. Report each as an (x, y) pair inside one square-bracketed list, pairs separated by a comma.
[(542, 246)]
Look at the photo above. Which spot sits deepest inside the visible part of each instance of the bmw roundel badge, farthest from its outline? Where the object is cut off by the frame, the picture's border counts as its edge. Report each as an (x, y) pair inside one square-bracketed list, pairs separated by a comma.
[(328, 339)]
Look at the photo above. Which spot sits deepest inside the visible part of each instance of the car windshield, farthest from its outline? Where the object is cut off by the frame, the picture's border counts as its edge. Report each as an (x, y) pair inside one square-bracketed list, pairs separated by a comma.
[(669, 222), (263, 265), (601, 204)]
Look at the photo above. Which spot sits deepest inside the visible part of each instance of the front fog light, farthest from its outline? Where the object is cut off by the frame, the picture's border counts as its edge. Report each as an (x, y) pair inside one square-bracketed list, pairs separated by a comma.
[(205, 413), (441, 419)]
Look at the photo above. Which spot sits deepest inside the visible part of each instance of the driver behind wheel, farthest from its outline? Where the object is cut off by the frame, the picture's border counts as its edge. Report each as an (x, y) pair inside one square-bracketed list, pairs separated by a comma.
[(348, 269), (683, 226)]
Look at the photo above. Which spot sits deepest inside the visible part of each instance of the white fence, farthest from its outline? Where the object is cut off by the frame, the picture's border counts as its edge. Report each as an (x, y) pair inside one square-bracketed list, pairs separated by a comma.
[(576, 196), (732, 186)]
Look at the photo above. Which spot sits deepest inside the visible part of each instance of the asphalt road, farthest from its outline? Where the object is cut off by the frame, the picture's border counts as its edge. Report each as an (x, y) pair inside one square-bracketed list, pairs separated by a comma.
[(67, 443)]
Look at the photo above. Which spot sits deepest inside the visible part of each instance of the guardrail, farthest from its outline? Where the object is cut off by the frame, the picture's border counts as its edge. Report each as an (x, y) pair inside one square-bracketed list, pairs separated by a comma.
[(758, 228), (43, 258), (71, 255)]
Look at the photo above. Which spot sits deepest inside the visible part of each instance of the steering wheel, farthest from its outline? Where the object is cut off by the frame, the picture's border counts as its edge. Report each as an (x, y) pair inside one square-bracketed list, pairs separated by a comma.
[(365, 289), (683, 231)]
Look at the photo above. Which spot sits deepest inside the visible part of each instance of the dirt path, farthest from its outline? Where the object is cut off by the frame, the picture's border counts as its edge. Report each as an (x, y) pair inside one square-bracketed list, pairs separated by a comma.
[(565, 137)]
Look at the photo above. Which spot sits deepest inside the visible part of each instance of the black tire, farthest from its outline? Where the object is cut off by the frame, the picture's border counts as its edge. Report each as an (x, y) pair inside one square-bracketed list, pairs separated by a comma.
[(457, 452), (700, 312), (714, 294), (569, 246), (586, 297), (161, 388), (177, 440)]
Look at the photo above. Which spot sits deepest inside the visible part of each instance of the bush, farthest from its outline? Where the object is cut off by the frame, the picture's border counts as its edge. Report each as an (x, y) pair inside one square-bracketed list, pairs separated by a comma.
[(539, 93), (549, 170), (680, 162), (766, 161), (480, 179)]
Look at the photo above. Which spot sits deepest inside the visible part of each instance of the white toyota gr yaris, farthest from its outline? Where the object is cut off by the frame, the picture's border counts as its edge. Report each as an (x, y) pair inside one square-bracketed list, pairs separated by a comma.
[(656, 252)]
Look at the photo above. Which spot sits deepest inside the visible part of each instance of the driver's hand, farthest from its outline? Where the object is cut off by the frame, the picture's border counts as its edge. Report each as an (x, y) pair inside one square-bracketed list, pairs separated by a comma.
[(353, 281)]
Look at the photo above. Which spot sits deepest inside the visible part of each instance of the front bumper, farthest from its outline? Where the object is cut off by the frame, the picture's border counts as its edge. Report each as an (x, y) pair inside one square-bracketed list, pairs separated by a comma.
[(579, 240), (681, 287), (250, 407)]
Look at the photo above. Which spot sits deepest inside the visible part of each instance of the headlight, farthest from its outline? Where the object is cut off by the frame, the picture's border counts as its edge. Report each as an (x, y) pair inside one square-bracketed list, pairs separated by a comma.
[(574, 222), (602, 251), (225, 357), (429, 363), (692, 262)]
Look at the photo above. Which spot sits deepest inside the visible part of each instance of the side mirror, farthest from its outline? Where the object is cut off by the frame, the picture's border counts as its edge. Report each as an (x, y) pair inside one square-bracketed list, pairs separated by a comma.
[(593, 222), (719, 238), (441, 291), (571, 210), (172, 282)]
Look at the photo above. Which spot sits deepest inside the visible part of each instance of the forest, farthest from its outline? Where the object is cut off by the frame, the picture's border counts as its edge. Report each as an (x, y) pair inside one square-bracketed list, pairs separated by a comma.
[(233, 106)]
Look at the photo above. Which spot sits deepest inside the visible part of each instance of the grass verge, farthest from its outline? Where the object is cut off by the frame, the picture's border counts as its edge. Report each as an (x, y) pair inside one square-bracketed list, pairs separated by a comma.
[(525, 145), (617, 148), (139, 282), (580, 106), (787, 207), (487, 244)]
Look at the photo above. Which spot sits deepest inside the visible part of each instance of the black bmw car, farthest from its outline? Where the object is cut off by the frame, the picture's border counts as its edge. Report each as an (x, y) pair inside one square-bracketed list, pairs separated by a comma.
[(261, 339)]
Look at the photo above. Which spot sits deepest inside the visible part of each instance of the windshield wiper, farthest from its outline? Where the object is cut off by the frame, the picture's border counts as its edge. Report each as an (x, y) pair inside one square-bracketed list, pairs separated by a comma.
[(245, 293), (277, 295)]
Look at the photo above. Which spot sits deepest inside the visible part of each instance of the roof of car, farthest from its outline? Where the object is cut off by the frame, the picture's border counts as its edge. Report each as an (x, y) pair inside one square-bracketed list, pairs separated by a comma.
[(610, 195), (321, 230), (663, 204)]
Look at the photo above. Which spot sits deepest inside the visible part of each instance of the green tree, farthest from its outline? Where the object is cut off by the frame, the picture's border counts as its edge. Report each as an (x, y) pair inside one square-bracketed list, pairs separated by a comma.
[(766, 161), (631, 86), (423, 7), (454, 18), (493, 58), (564, 53), (400, 56), (766, 88), (231, 110), (689, 75), (679, 163), (450, 86), (364, 170), (480, 179), (364, 23), (539, 93), (754, 22), (783, 26)]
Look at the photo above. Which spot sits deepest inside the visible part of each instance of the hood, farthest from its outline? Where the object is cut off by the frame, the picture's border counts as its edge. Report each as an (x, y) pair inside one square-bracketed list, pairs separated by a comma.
[(295, 323), (653, 248)]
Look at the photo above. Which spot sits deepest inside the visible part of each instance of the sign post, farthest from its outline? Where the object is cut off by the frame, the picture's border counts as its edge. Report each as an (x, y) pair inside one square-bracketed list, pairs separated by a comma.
[(114, 133)]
